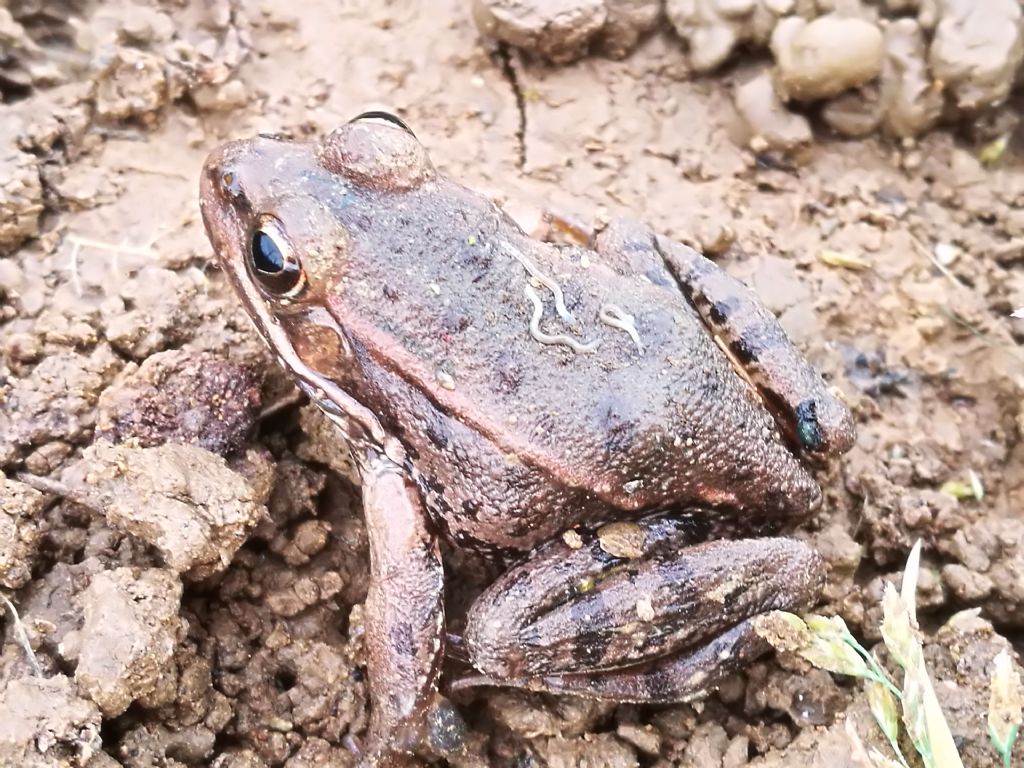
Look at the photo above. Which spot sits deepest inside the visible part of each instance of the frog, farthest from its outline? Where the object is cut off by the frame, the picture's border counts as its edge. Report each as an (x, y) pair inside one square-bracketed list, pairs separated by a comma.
[(621, 425)]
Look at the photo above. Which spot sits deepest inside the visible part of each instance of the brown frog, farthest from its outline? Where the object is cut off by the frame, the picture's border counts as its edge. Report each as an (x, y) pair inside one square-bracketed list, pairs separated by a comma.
[(620, 417)]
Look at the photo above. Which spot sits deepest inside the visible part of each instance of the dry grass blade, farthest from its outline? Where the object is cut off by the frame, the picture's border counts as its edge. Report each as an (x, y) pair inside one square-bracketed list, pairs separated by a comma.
[(829, 649), (1005, 706), (843, 260), (885, 708), (922, 715), (825, 642), (21, 636)]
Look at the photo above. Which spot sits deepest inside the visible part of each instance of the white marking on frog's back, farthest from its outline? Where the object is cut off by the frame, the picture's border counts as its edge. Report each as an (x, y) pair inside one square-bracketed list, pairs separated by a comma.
[(616, 317), (610, 314)]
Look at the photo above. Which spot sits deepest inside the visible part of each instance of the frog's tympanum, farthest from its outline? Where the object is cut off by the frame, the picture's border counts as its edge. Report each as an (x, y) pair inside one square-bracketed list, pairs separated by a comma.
[(623, 423)]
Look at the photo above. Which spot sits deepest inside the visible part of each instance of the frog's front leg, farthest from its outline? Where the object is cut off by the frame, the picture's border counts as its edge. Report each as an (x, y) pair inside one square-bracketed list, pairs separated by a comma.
[(806, 409), (404, 621), (651, 620)]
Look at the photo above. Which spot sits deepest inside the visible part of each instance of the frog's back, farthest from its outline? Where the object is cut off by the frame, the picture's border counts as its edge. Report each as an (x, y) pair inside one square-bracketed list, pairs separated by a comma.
[(626, 405)]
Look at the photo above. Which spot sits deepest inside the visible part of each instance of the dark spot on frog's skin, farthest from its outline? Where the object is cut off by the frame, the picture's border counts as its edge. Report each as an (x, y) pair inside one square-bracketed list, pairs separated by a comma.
[(454, 320), (471, 508), (401, 639), (613, 417), (432, 484), (437, 431), (808, 430), (509, 372), (363, 222), (389, 292), (721, 311), (590, 648), (741, 349)]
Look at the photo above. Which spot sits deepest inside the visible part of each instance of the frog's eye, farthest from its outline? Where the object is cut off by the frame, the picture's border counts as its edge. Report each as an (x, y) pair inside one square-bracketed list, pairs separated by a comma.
[(272, 260), (382, 117)]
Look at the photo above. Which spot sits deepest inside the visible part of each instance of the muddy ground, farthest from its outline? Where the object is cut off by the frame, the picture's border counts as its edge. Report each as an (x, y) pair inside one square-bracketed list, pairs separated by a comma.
[(190, 575)]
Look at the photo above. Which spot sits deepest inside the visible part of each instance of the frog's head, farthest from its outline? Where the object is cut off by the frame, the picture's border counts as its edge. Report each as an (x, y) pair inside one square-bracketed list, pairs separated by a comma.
[(281, 215), (276, 210)]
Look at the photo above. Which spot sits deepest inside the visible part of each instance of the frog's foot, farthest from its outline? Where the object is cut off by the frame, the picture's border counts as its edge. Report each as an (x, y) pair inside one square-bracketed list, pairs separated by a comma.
[(635, 613), (806, 409)]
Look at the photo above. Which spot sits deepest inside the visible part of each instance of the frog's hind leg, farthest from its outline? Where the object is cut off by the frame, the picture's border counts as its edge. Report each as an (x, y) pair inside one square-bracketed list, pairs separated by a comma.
[(809, 413), (635, 612), (676, 678)]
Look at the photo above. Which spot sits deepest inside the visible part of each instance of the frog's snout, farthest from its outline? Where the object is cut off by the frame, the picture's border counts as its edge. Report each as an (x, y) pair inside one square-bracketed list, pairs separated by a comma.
[(221, 177)]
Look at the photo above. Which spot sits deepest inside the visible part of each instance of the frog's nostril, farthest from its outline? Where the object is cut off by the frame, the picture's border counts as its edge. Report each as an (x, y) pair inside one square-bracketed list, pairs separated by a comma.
[(229, 184)]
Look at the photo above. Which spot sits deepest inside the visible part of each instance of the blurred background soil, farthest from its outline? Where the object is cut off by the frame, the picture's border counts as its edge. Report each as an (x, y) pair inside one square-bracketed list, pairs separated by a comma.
[(186, 551)]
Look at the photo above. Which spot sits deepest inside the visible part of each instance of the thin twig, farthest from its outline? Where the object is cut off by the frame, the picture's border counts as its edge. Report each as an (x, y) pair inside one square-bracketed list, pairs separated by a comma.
[(78, 243), (58, 489), (135, 250), (293, 397), (923, 250), (982, 336), (45, 485), (156, 171), (21, 636)]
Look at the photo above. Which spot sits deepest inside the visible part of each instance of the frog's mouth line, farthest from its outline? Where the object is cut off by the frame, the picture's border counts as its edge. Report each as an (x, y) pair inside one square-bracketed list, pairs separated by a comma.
[(360, 427)]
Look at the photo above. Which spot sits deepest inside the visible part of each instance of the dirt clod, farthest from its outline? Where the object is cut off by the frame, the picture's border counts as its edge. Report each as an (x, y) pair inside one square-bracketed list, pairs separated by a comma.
[(767, 124), (179, 396), (127, 640), (44, 722), (911, 99), (54, 404), (130, 85), (977, 50), (713, 29), (21, 199), (560, 31), (181, 499), (19, 532), (824, 57)]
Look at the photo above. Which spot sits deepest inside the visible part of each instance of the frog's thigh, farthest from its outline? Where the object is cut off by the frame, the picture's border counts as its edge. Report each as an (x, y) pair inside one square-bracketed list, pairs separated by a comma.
[(579, 610), (753, 335)]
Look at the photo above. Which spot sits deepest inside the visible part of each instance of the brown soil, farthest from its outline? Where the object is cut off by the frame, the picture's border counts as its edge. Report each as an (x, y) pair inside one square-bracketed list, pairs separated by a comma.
[(192, 594)]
